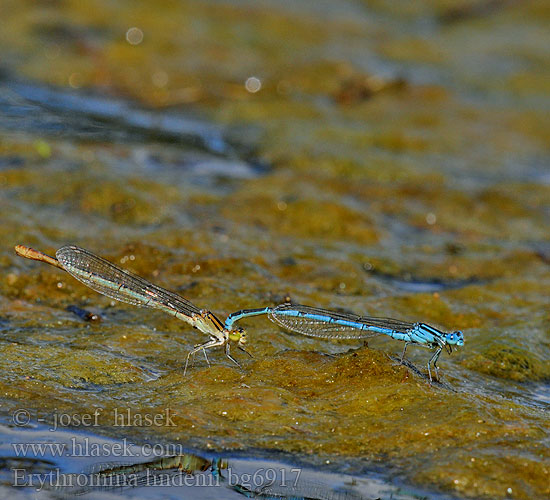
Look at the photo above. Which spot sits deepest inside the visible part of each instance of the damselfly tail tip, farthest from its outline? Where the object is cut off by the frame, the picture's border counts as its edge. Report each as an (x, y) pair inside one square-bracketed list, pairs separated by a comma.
[(22, 250)]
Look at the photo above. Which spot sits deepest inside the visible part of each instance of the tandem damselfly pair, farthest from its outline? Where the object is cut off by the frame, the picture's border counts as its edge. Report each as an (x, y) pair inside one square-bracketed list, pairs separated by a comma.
[(120, 284)]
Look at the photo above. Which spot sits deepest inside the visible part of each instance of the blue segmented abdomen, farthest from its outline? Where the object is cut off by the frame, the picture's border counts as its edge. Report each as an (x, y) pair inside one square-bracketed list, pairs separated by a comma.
[(244, 313), (320, 323)]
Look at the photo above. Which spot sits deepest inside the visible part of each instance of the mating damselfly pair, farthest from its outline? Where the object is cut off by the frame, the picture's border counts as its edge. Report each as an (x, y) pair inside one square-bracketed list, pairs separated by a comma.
[(120, 284)]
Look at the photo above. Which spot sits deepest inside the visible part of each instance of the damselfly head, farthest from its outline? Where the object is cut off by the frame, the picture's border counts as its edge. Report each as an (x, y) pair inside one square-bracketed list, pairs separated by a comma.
[(238, 335), (454, 338)]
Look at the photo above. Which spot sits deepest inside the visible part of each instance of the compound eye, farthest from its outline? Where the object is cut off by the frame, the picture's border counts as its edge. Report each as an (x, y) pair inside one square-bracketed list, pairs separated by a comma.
[(459, 336)]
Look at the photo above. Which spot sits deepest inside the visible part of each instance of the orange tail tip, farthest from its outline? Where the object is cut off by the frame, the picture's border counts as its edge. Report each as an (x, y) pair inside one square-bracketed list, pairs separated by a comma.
[(31, 253)]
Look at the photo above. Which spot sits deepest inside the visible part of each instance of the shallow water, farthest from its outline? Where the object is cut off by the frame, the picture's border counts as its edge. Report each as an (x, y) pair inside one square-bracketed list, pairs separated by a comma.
[(395, 162), (82, 464)]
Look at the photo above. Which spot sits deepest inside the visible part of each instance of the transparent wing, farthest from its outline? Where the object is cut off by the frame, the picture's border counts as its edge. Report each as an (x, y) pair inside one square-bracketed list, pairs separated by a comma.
[(112, 281)]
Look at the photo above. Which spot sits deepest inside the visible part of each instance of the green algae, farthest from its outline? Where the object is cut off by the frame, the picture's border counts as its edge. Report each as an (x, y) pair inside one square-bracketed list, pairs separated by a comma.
[(511, 363), (425, 182), (358, 405), (309, 218), (50, 366), (256, 404)]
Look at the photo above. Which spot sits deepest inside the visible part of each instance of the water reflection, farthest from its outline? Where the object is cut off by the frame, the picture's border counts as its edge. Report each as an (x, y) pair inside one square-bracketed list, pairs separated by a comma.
[(202, 148), (302, 490), (183, 470), (190, 470), (37, 462), (120, 113)]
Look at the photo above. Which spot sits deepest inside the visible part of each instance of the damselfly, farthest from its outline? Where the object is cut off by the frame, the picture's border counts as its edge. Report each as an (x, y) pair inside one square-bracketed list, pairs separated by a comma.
[(168, 471), (321, 323), (120, 284)]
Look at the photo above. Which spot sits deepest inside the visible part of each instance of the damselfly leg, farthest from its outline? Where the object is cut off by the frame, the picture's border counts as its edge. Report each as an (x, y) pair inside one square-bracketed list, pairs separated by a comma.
[(213, 342), (433, 360)]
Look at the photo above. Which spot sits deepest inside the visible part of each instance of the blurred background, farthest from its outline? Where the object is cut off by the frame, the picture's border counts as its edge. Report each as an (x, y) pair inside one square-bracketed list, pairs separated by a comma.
[(388, 158)]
